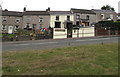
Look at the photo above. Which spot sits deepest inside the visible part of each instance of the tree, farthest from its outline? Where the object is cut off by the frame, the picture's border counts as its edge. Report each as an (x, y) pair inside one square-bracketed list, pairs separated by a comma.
[(107, 7)]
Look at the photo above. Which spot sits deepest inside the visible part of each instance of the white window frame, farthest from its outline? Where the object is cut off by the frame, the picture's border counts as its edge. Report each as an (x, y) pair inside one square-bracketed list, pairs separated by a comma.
[(15, 28), (4, 19), (88, 17), (57, 18), (4, 27), (28, 24), (69, 17), (102, 16), (17, 20), (40, 19), (77, 16)]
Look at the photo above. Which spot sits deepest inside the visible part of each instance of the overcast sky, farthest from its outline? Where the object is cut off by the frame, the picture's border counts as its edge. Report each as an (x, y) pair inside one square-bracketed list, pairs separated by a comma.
[(17, 5)]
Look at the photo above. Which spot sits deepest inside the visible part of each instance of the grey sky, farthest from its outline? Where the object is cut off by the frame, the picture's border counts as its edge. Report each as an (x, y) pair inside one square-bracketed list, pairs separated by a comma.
[(119, 7), (17, 5)]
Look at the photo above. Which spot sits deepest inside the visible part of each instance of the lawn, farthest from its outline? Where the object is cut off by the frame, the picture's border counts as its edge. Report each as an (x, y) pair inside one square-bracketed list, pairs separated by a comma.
[(96, 59)]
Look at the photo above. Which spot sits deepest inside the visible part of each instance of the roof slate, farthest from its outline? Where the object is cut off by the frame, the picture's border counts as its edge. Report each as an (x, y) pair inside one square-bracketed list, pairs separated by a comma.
[(60, 12), (102, 11), (36, 13), (83, 11), (11, 13)]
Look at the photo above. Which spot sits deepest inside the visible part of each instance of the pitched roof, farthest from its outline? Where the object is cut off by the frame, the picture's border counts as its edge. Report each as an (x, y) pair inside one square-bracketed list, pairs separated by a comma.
[(36, 13), (83, 11), (11, 13), (60, 12), (102, 11)]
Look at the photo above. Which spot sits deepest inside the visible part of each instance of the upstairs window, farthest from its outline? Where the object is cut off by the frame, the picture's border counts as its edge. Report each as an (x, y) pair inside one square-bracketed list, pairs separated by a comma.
[(4, 19), (102, 16), (78, 17), (57, 17), (41, 20), (17, 20), (87, 17), (68, 18)]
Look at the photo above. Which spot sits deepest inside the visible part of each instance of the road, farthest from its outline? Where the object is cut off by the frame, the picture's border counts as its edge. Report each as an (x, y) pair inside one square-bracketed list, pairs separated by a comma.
[(46, 44)]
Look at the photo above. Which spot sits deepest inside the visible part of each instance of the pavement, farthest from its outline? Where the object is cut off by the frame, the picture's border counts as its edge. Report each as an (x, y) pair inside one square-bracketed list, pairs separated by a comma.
[(55, 43)]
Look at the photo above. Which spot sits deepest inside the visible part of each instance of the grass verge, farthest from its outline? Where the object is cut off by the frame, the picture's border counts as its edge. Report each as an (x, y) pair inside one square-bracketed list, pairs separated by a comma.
[(97, 59)]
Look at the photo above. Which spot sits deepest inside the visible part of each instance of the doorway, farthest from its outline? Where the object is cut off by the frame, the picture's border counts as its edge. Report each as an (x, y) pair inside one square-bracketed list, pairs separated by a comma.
[(10, 29), (69, 26)]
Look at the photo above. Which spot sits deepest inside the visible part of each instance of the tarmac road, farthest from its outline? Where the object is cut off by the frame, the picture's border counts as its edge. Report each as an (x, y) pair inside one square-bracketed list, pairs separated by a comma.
[(46, 44)]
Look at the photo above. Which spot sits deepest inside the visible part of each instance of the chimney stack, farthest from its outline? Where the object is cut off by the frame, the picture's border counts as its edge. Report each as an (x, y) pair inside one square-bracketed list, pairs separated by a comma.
[(24, 9), (48, 10)]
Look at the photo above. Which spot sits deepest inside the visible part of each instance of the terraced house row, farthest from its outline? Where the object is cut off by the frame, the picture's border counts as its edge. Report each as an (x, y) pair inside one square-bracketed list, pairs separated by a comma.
[(62, 22)]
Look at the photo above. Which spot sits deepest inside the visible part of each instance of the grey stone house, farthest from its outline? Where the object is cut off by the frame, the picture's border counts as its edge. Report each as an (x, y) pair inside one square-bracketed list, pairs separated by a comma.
[(103, 15), (83, 17), (11, 21), (36, 20)]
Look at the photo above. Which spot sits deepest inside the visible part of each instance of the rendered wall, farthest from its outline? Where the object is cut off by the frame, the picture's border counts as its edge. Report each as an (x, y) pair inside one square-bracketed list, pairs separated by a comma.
[(62, 19), (59, 33), (83, 32)]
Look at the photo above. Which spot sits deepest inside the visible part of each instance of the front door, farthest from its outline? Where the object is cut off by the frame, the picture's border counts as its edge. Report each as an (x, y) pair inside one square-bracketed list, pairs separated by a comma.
[(69, 26), (10, 29)]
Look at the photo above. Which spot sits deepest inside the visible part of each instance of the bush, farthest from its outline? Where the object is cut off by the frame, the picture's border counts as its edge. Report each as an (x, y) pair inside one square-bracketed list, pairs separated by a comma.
[(109, 24)]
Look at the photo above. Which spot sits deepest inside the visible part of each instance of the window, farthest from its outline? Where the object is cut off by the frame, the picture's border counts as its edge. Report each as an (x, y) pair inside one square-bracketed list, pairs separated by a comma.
[(87, 17), (16, 27), (17, 20), (57, 24), (102, 16), (68, 18), (4, 19), (28, 25), (78, 17), (111, 16), (4, 27), (57, 17), (41, 20)]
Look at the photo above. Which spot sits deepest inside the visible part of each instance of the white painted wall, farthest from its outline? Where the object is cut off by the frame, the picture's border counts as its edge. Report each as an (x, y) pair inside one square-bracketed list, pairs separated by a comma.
[(83, 32), (62, 19), (59, 33)]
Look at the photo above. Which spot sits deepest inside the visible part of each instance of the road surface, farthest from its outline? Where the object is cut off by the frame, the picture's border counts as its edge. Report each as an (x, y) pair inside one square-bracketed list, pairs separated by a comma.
[(46, 44)]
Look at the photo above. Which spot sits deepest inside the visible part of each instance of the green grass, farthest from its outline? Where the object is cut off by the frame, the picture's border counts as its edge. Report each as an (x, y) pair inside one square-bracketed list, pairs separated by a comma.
[(97, 59)]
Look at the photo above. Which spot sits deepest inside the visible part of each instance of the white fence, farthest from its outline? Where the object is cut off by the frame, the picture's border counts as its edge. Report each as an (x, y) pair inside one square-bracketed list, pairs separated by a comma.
[(59, 33), (83, 32)]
